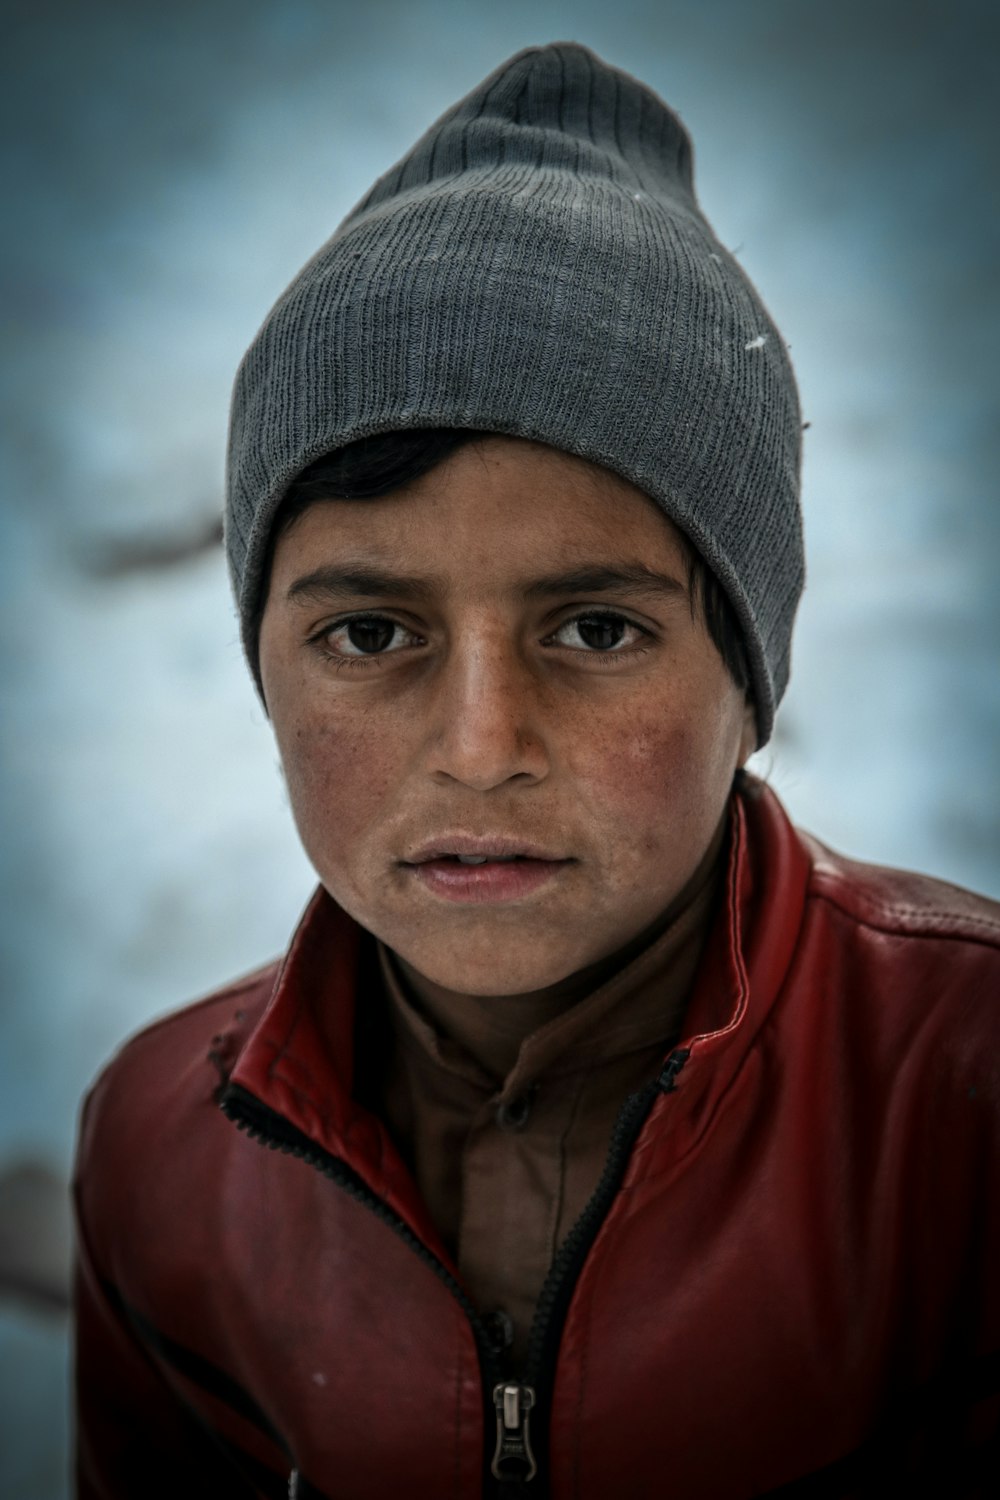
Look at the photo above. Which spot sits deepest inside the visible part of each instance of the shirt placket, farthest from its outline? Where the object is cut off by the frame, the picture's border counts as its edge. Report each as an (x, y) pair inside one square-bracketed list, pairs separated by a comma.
[(513, 1170)]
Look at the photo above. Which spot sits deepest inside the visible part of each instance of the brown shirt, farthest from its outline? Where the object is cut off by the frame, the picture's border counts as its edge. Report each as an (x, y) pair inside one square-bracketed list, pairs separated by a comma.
[(504, 1109)]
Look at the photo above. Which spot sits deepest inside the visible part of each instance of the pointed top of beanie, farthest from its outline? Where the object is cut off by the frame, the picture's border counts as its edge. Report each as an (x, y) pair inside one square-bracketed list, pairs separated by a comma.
[(537, 265), (560, 108)]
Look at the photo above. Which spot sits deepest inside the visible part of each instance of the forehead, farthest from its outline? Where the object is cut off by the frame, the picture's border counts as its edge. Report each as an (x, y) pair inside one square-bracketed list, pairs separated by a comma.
[(502, 507)]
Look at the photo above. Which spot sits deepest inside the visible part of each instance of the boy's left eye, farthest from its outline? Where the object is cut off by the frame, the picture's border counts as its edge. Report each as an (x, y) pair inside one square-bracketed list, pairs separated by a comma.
[(599, 632)]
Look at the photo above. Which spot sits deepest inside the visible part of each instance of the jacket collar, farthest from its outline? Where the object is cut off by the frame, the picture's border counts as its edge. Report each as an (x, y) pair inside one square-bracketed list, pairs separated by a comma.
[(748, 954), (298, 1060)]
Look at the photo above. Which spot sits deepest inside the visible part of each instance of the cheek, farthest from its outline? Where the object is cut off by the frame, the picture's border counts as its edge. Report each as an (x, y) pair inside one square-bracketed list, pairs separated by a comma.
[(337, 776), (663, 778), (653, 767)]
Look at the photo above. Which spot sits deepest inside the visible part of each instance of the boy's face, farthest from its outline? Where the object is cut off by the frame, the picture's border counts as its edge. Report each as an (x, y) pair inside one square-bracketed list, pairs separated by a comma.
[(485, 694)]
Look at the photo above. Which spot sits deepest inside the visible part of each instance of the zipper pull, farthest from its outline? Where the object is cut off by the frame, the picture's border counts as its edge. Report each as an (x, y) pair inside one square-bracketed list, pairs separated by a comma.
[(668, 1078), (513, 1451)]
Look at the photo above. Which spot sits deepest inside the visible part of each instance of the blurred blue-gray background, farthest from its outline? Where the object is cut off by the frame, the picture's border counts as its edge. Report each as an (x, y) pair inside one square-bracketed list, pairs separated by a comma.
[(166, 171)]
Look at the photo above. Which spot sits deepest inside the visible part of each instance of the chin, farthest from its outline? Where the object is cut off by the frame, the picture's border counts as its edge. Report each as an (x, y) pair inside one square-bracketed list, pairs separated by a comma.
[(495, 974)]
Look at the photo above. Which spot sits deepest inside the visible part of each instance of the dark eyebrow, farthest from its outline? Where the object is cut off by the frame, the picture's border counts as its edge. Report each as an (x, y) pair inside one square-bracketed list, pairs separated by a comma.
[(331, 583), (625, 578)]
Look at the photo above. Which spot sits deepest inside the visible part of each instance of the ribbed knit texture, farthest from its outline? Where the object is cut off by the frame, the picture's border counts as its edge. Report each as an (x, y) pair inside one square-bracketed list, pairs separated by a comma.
[(537, 265)]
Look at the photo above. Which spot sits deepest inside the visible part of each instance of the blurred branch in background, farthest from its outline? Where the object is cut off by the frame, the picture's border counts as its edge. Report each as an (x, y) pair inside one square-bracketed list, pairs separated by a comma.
[(35, 1238), (151, 551)]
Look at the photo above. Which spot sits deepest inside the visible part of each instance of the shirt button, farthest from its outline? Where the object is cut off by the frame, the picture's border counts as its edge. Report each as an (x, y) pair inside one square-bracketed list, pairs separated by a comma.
[(513, 1114)]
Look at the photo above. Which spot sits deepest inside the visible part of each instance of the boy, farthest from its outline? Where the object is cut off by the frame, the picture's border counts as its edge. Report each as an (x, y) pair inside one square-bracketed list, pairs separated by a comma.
[(623, 1138)]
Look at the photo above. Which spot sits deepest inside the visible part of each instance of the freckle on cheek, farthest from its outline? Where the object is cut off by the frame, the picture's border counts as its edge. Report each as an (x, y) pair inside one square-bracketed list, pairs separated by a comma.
[(654, 756), (331, 774), (656, 782)]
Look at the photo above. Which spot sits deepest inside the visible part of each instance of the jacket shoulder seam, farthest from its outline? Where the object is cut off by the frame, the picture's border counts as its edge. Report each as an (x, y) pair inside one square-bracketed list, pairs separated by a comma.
[(905, 920)]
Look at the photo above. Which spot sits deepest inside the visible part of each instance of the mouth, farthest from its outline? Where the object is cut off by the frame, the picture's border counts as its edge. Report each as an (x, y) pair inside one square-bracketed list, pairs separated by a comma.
[(477, 859), (466, 849), (477, 870)]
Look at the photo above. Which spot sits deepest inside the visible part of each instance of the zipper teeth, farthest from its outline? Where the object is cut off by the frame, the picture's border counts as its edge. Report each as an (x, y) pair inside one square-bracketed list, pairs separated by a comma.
[(269, 1129), (628, 1123), (626, 1127)]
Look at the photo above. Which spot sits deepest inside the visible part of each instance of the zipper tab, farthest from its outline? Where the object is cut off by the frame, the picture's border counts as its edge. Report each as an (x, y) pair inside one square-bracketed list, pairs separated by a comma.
[(667, 1080), (513, 1458)]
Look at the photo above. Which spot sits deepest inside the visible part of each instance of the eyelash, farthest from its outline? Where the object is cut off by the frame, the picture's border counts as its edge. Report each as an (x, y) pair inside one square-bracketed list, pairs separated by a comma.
[(376, 658)]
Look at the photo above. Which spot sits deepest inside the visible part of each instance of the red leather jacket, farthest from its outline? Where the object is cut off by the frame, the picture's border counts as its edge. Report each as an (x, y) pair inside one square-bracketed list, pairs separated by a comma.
[(787, 1283)]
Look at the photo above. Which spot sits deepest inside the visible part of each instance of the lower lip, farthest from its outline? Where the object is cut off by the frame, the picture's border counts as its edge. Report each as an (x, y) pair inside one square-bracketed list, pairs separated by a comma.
[(500, 880)]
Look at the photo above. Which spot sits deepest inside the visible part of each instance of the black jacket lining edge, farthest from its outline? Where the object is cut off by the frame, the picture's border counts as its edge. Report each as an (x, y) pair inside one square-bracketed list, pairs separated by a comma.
[(209, 1377), (940, 1401)]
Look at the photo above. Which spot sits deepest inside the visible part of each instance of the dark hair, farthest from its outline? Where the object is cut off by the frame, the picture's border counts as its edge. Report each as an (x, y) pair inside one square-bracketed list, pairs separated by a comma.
[(388, 461)]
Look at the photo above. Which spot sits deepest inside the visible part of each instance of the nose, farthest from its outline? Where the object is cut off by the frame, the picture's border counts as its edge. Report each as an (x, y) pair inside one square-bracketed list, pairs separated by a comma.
[(488, 724)]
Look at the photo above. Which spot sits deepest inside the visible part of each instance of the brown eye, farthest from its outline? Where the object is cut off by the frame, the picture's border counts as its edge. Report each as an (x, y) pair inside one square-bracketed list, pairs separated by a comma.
[(364, 638), (601, 632), (370, 635)]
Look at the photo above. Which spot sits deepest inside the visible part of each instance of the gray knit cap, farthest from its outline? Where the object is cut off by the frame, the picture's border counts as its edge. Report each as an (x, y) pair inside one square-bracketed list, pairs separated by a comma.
[(537, 265)]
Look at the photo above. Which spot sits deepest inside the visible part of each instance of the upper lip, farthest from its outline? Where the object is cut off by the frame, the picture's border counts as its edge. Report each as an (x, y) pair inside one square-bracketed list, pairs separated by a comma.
[(495, 845)]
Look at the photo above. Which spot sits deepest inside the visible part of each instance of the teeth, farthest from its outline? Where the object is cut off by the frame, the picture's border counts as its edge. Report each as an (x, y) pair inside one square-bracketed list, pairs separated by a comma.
[(482, 859)]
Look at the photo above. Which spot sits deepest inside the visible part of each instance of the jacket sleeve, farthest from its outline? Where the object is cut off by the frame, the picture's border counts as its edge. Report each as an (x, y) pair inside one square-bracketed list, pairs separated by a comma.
[(132, 1434)]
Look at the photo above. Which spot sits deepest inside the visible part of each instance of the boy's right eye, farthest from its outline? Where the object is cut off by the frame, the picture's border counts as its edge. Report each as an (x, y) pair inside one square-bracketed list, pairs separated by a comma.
[(374, 634), (363, 635)]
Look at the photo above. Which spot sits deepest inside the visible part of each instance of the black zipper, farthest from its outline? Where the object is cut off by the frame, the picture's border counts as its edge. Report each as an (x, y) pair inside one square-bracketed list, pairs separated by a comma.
[(517, 1455), (557, 1289)]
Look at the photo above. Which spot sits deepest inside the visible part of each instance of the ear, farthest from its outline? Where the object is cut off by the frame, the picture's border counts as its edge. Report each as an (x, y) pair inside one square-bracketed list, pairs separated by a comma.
[(748, 736)]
